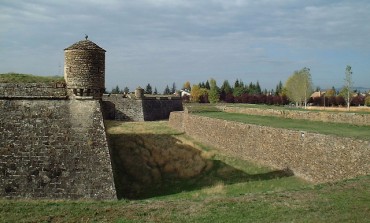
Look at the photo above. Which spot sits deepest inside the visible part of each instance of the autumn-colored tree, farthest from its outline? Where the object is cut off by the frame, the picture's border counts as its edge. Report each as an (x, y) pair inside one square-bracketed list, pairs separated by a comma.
[(186, 86), (299, 86), (198, 94), (367, 101), (331, 92)]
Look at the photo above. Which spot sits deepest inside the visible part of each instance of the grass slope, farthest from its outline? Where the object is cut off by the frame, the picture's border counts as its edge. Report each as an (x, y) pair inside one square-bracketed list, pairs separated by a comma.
[(28, 78), (280, 199)]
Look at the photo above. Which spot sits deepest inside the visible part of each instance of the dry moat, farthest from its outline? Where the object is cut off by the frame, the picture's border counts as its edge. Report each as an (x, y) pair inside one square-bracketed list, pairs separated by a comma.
[(149, 159)]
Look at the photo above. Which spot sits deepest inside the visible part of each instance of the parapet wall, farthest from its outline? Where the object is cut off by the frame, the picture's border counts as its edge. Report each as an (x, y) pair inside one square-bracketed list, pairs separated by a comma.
[(160, 108), (314, 157), (122, 108), (54, 149), (335, 117), (33, 90)]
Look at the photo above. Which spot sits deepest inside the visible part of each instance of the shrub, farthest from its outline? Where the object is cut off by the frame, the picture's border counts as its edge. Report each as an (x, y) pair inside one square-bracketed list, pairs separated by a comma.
[(340, 101), (229, 98), (367, 101)]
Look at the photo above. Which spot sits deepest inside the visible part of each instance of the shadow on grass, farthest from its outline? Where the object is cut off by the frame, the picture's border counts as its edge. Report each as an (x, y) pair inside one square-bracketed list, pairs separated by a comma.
[(151, 165)]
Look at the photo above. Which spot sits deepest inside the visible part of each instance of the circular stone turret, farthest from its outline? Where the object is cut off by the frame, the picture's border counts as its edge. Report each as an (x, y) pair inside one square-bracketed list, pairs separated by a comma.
[(84, 70), (139, 93)]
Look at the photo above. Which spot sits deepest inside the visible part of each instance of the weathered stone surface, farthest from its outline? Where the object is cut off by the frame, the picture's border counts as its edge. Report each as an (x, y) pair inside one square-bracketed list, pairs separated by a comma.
[(54, 149), (336, 117), (146, 109), (314, 157), (84, 69), (33, 90)]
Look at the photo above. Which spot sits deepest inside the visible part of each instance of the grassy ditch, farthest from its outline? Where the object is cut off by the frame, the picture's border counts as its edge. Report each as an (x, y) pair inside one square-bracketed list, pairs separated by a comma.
[(28, 78), (338, 129), (151, 160), (231, 190)]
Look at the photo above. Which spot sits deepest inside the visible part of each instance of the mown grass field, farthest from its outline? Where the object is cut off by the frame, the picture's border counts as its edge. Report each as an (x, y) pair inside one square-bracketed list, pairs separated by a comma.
[(257, 196), (28, 78)]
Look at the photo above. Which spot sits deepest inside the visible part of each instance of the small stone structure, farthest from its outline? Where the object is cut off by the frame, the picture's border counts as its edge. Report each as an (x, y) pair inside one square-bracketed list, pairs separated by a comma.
[(84, 69), (314, 157)]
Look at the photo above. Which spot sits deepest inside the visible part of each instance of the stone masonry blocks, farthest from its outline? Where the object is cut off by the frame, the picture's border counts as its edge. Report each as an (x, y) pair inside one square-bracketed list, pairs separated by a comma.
[(54, 149), (314, 157)]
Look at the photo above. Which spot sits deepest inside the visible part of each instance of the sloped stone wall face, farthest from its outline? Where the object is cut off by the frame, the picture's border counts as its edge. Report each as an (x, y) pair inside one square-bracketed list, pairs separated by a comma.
[(54, 149), (314, 157), (116, 107), (336, 117)]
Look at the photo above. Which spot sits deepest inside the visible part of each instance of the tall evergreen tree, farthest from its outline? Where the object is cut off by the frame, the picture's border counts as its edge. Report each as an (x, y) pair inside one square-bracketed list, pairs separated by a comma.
[(258, 88), (236, 84), (116, 90), (148, 89), (226, 87), (173, 89), (207, 86), (167, 90), (279, 88)]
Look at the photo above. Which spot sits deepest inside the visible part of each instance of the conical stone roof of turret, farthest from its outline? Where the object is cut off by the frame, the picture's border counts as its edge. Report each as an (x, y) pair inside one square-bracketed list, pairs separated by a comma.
[(84, 45)]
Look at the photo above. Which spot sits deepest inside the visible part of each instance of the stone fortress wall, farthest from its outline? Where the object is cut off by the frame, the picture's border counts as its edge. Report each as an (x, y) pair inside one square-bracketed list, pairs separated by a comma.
[(118, 107), (51, 144), (33, 90), (314, 157), (54, 149), (324, 116)]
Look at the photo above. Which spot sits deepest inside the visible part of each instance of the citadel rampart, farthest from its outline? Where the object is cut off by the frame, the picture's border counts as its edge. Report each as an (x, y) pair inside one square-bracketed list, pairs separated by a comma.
[(314, 157), (54, 149), (33, 91), (336, 117), (52, 141), (118, 107)]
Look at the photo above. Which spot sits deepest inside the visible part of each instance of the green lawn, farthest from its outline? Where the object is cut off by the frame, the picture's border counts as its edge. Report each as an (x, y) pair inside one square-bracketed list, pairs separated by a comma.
[(232, 191), (338, 129), (28, 78)]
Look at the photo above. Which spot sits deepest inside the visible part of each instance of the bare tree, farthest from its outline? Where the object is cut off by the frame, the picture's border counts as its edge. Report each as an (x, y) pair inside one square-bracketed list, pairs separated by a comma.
[(348, 84)]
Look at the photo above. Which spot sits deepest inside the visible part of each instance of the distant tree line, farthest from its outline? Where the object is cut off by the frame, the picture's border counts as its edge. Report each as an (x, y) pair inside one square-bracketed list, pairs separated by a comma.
[(297, 89), (209, 92), (147, 90)]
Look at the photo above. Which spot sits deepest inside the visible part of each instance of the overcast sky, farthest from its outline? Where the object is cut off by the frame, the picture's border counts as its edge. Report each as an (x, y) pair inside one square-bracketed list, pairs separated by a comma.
[(165, 41)]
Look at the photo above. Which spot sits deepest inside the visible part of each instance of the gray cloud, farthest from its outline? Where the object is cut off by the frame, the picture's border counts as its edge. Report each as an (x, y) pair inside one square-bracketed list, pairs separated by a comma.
[(161, 41)]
